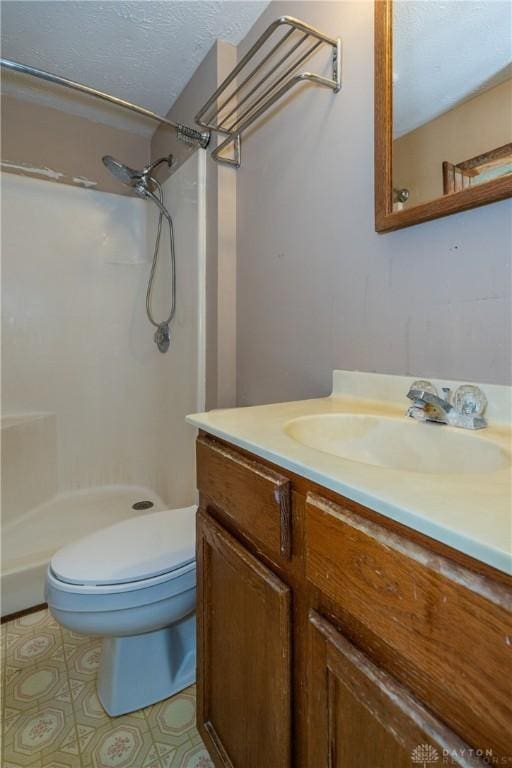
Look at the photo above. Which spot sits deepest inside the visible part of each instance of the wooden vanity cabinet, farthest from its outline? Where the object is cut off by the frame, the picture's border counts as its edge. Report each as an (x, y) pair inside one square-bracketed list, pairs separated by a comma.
[(331, 637)]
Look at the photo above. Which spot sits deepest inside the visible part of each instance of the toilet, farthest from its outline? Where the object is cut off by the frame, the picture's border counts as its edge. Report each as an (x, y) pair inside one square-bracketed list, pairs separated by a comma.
[(134, 585)]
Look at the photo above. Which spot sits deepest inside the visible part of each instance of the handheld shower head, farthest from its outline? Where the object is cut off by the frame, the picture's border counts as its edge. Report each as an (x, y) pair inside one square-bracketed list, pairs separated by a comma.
[(145, 185), (140, 180), (123, 173)]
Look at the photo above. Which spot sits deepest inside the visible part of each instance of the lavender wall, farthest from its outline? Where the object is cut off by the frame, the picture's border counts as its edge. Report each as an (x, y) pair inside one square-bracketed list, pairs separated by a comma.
[(317, 288)]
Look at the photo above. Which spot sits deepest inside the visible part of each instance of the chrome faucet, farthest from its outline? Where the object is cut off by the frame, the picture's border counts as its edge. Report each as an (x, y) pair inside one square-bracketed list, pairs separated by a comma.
[(464, 411)]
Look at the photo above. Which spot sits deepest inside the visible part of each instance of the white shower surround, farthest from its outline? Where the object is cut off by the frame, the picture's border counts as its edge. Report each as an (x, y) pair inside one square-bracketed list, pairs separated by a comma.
[(77, 344)]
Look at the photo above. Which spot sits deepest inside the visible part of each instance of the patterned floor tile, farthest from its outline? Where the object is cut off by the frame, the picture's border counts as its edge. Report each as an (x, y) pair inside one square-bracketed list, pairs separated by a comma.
[(173, 756), (195, 738), (66, 750), (32, 620), (7, 764), (196, 757), (9, 719), (121, 746), (88, 710), (23, 649), (35, 685), (52, 718), (35, 731), (172, 723), (74, 639), (61, 762), (175, 716), (152, 758), (89, 713), (84, 659)]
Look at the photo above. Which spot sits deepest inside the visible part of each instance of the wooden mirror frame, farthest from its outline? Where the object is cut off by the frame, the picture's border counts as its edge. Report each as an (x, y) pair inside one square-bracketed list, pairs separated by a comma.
[(385, 218)]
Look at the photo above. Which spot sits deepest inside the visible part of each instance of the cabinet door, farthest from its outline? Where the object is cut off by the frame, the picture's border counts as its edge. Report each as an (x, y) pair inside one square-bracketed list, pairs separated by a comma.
[(360, 717), (244, 654)]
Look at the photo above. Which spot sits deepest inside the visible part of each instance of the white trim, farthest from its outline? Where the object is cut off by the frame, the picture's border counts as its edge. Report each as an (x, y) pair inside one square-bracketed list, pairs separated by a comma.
[(201, 272)]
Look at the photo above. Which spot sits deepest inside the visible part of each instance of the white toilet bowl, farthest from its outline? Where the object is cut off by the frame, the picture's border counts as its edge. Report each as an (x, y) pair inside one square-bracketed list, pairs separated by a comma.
[(134, 584)]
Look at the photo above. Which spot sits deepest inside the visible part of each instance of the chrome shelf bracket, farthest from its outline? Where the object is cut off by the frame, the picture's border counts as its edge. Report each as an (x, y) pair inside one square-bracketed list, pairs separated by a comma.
[(242, 98)]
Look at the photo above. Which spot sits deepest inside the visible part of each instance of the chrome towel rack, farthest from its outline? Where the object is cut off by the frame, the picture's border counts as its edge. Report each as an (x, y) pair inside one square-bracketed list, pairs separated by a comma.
[(243, 98)]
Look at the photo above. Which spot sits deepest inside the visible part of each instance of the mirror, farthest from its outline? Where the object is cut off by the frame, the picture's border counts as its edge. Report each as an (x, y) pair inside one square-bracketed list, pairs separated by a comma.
[(443, 76)]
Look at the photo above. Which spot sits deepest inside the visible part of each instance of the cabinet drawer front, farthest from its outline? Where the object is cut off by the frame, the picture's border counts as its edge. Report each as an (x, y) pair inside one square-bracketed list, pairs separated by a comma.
[(255, 497), (443, 630)]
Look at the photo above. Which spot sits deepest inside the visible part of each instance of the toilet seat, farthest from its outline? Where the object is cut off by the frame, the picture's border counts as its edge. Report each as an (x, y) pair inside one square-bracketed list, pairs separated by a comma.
[(80, 598), (130, 553), (164, 540)]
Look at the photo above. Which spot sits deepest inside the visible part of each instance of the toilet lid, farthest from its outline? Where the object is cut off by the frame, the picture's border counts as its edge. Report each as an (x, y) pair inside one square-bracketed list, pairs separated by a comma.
[(139, 548)]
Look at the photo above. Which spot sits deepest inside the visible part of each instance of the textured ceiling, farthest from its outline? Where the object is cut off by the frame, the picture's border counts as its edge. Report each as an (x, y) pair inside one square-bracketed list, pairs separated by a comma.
[(445, 51), (143, 51)]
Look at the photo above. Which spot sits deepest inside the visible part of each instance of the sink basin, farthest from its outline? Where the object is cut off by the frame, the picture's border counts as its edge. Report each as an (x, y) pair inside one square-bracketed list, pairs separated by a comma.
[(399, 443)]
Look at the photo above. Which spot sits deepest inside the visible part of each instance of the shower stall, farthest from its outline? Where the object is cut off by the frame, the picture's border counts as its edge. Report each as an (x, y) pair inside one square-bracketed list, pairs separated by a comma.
[(92, 414)]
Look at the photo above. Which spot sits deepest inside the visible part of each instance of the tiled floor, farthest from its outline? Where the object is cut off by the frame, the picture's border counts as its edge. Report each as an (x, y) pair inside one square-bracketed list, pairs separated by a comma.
[(51, 716)]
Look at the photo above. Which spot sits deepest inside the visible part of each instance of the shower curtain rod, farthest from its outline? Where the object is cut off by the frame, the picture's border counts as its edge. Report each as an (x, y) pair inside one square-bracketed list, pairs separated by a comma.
[(183, 132)]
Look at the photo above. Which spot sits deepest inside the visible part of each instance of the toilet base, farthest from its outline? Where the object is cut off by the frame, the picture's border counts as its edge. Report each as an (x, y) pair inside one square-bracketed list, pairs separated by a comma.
[(139, 670)]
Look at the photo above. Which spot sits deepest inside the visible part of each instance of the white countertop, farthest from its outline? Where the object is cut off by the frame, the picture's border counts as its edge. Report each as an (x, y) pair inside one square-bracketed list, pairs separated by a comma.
[(469, 512)]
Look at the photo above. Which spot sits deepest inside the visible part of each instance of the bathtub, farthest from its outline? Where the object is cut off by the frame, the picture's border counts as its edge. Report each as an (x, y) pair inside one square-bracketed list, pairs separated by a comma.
[(30, 539)]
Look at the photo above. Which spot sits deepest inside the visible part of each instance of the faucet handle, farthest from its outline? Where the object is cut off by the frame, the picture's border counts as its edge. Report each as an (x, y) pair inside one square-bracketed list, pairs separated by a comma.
[(469, 400), (418, 387)]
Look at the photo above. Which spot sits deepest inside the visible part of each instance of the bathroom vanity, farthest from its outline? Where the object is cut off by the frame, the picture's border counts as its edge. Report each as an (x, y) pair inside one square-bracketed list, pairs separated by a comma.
[(351, 614)]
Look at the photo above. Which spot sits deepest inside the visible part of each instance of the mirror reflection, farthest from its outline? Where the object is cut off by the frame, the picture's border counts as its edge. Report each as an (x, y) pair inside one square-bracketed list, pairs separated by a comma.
[(452, 96)]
